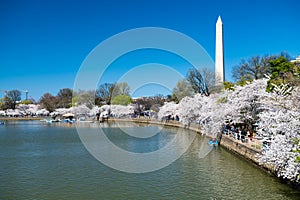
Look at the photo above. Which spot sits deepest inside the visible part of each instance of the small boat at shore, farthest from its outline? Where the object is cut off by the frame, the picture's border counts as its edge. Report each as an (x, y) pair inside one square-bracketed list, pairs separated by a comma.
[(2, 123), (213, 142)]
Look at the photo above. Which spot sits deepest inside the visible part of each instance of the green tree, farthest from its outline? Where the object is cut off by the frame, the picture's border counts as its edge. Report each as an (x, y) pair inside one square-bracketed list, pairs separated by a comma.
[(26, 102), (1, 103), (182, 89), (121, 100), (228, 85), (4, 103), (75, 100), (283, 72), (64, 98), (48, 101), (11, 98), (253, 68)]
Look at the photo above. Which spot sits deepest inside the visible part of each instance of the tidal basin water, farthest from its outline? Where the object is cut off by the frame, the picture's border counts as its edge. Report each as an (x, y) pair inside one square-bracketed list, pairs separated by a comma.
[(39, 161)]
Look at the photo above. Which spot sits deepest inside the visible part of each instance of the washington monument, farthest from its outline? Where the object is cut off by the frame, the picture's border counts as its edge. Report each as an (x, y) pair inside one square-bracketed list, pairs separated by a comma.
[(219, 59)]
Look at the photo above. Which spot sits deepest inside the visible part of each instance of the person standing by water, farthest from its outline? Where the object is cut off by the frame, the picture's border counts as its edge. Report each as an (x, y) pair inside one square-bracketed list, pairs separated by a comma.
[(98, 116), (243, 134), (250, 134)]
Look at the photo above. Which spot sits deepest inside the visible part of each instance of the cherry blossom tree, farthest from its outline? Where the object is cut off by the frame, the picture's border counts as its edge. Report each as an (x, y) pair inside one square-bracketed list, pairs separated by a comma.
[(278, 115)]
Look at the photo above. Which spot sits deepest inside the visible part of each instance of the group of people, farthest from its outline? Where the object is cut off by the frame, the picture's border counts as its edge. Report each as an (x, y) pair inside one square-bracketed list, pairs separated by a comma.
[(238, 131), (171, 117)]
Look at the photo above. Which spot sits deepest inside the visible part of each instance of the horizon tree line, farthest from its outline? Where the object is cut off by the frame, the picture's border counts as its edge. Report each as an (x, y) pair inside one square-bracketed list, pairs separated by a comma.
[(197, 81)]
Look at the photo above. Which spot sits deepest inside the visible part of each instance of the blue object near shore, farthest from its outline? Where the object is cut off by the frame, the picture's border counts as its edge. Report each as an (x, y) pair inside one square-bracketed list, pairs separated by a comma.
[(213, 142)]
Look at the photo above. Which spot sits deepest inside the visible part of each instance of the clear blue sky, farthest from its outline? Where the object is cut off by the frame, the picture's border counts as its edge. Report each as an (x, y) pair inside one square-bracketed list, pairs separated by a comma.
[(43, 43)]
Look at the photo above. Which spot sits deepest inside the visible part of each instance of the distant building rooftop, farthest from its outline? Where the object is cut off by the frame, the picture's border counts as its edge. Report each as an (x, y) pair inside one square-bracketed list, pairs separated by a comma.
[(296, 61)]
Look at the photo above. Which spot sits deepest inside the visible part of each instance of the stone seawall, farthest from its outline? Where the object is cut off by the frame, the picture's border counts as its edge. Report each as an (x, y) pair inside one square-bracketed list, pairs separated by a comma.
[(235, 146), (246, 151), (193, 127)]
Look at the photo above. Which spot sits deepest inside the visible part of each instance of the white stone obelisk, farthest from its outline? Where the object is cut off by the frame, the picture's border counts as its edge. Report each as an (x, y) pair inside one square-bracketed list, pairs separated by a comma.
[(219, 59)]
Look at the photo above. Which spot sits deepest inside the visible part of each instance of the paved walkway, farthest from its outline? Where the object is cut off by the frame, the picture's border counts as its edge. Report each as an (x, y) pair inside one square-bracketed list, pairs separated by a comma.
[(254, 143)]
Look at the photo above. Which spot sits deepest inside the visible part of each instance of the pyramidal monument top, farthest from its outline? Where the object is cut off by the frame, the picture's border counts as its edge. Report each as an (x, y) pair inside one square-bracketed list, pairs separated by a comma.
[(219, 21)]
